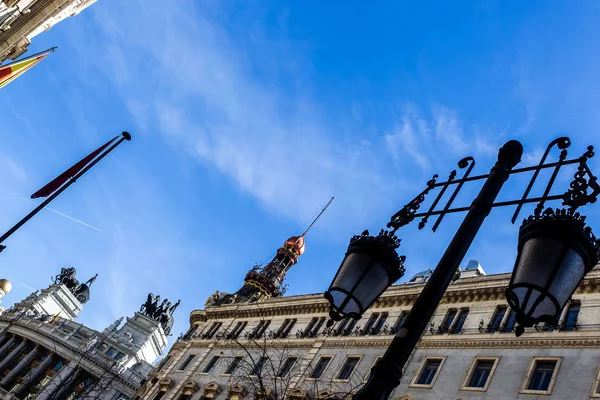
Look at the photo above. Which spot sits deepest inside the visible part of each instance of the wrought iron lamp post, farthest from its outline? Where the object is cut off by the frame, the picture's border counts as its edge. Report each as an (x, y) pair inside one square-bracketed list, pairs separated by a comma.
[(556, 250)]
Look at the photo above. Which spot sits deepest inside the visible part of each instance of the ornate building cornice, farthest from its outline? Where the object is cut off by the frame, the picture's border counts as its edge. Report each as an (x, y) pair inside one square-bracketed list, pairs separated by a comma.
[(467, 290), (527, 343)]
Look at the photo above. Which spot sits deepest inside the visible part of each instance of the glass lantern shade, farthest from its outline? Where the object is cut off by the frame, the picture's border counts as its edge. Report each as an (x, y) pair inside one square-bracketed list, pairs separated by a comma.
[(370, 266), (555, 251)]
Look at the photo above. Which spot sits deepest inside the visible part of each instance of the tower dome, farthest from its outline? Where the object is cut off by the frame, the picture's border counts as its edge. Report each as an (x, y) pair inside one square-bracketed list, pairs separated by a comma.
[(297, 243), (5, 286)]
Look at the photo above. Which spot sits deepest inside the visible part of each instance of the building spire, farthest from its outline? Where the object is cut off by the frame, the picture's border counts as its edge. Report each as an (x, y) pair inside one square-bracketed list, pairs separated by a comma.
[(265, 282), (318, 216)]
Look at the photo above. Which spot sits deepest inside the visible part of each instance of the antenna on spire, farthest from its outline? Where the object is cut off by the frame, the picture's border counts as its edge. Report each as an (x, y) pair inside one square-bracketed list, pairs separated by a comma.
[(318, 216)]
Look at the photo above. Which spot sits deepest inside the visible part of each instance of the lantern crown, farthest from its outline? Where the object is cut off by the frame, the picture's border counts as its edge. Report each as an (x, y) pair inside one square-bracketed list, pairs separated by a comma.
[(556, 250)]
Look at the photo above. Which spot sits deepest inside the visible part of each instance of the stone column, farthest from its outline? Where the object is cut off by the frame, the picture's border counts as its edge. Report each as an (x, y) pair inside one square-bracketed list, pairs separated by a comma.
[(67, 388), (35, 376), (56, 383), (15, 352), (7, 345), (19, 367)]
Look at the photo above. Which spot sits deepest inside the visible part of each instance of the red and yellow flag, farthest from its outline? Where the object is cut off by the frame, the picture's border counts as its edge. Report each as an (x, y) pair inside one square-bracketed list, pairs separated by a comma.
[(57, 182), (12, 71), (53, 320)]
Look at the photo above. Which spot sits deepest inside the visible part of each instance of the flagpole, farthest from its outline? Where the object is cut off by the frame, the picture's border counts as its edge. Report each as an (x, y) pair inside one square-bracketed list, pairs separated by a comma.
[(48, 51), (125, 136)]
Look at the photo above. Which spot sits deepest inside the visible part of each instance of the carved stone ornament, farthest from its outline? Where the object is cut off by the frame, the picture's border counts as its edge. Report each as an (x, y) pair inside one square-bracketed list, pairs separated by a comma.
[(236, 392), (189, 387), (211, 390), (265, 394), (324, 395), (165, 384), (405, 397), (297, 394)]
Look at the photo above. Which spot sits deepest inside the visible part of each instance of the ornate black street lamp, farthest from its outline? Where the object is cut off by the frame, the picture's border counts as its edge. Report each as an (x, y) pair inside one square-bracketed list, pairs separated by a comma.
[(370, 266), (556, 250)]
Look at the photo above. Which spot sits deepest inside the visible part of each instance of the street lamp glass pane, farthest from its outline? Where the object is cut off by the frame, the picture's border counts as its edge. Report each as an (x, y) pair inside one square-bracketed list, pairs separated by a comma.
[(352, 270), (338, 299), (569, 275), (537, 262), (363, 278), (376, 281), (537, 304)]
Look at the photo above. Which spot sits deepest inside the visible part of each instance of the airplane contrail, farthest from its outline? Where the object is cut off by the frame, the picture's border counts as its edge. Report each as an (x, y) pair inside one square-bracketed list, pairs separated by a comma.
[(50, 209)]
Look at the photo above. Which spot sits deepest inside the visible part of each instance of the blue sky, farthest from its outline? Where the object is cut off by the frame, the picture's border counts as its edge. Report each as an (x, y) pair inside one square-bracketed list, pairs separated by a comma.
[(247, 117)]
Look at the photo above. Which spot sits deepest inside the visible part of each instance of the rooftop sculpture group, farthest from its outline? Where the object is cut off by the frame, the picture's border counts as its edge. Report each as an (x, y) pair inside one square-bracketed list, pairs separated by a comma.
[(67, 278), (160, 312)]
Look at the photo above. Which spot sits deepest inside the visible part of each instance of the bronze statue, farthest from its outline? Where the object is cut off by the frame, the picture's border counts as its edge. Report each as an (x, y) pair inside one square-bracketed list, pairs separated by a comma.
[(89, 283), (174, 307), (147, 306), (161, 309), (154, 307), (215, 297)]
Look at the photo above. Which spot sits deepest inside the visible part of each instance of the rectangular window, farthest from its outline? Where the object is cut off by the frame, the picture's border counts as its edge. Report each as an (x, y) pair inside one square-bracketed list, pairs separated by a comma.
[(309, 327), (596, 391), (380, 323), (370, 323), (164, 362), (480, 374), (255, 332), (233, 366), (259, 331), (122, 397), (317, 328), (445, 326), (282, 328), (541, 375), (288, 328), (211, 364), (184, 397), (320, 367), (287, 367), (190, 332), (341, 326), (187, 362), (428, 372), (213, 329), (112, 352), (494, 325), (570, 323), (58, 365), (510, 322), (460, 321), (348, 368), (259, 366), (239, 328), (399, 322), (350, 327), (231, 335)]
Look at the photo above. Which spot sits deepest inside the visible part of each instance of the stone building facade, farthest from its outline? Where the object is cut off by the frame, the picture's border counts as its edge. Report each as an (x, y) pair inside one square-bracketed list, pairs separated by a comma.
[(44, 354), (22, 20), (469, 351)]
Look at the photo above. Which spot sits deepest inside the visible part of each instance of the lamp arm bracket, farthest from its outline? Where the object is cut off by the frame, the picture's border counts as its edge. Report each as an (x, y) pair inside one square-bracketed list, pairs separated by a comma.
[(584, 188)]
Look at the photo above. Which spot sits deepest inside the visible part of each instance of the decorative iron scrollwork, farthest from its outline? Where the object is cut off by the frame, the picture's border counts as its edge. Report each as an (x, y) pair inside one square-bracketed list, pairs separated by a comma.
[(407, 214), (583, 181)]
